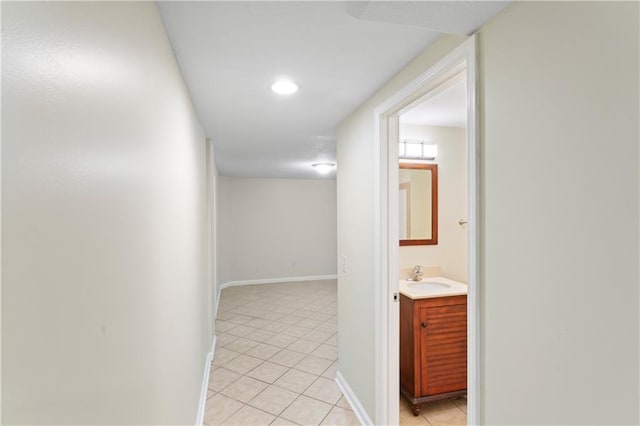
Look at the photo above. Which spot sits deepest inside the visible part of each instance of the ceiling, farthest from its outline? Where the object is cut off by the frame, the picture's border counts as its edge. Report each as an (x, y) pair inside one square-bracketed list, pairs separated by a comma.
[(339, 53), (448, 108)]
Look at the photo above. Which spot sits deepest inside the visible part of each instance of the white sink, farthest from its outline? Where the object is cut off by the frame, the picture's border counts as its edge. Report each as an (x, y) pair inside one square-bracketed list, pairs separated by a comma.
[(432, 287), (428, 285)]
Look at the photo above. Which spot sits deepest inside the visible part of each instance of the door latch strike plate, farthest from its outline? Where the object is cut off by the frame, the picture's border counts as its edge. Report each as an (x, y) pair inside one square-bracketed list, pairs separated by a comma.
[(395, 297)]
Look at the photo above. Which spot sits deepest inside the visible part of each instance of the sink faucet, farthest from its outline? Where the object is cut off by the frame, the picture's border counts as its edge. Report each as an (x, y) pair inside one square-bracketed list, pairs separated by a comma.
[(416, 275)]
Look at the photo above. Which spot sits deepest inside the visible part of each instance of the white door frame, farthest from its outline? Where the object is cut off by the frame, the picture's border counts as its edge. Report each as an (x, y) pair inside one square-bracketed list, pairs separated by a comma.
[(386, 279)]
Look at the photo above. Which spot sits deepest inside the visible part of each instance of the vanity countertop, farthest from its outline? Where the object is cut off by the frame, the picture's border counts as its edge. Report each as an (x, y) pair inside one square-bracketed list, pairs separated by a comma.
[(432, 287)]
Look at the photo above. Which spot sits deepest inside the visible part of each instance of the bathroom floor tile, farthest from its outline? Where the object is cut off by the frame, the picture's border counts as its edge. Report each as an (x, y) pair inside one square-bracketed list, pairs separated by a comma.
[(404, 404), (446, 413), (461, 403), (439, 407), (408, 419)]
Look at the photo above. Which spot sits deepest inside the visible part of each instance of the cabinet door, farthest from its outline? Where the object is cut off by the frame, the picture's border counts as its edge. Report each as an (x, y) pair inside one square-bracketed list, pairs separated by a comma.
[(443, 349)]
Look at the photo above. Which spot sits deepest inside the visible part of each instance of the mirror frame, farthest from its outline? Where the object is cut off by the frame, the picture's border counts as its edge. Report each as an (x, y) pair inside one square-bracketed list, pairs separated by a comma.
[(434, 204)]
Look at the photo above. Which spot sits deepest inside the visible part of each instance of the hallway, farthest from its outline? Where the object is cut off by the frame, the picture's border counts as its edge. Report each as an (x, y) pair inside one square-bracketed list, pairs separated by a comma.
[(276, 357), (153, 172)]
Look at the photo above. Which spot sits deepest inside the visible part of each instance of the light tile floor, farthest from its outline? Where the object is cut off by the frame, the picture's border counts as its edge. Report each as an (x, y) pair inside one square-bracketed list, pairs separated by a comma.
[(445, 413), (276, 359)]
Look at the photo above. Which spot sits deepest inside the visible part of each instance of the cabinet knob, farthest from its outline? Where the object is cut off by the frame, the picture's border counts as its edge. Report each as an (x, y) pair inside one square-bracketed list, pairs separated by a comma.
[(424, 325)]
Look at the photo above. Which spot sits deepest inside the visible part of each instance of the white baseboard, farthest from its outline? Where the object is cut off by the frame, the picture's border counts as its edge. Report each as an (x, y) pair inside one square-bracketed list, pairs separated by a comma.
[(353, 400), (205, 384), (269, 281)]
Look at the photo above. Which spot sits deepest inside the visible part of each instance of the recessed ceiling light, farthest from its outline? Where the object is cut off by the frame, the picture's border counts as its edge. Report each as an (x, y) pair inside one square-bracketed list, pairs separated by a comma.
[(323, 168), (284, 87)]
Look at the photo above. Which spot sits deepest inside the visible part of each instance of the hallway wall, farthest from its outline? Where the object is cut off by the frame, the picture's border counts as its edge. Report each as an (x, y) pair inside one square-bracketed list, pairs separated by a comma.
[(559, 248), (560, 193), (356, 215), (106, 300), (276, 228)]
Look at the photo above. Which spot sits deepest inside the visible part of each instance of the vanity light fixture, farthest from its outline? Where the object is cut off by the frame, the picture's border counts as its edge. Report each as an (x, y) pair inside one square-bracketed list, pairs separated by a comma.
[(323, 168), (284, 87), (417, 150)]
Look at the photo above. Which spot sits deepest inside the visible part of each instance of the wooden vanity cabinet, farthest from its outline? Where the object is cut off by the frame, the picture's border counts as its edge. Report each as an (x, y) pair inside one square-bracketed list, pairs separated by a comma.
[(433, 349)]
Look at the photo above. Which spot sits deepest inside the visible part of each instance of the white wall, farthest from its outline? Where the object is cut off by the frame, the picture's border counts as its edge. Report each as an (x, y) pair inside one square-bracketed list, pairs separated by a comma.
[(451, 251), (106, 299), (560, 230), (276, 228), (559, 160)]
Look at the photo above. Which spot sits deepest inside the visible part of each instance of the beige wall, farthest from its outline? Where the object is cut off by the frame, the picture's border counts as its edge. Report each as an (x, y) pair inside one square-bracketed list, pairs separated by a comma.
[(106, 301), (559, 158), (451, 251), (276, 228), (559, 105)]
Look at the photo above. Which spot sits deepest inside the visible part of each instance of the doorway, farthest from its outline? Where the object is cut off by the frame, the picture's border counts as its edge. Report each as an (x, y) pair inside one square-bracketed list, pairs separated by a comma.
[(460, 61)]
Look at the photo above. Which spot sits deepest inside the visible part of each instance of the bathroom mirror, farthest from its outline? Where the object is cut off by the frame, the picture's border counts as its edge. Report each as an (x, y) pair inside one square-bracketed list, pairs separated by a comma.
[(418, 202)]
